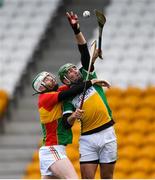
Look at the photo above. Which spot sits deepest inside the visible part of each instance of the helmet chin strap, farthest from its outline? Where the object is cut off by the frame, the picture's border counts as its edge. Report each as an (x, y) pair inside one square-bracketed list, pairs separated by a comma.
[(48, 89), (43, 84), (68, 81)]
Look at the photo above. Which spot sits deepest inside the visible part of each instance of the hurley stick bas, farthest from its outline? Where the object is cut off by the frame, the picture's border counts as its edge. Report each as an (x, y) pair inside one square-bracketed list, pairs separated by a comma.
[(92, 51), (101, 21)]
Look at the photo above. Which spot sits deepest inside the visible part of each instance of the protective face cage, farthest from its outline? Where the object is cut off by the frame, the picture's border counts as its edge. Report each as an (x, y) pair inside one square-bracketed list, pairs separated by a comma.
[(62, 73), (38, 81)]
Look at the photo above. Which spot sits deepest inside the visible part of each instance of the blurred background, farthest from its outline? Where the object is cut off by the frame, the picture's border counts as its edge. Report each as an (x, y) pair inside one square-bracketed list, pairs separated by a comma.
[(35, 36)]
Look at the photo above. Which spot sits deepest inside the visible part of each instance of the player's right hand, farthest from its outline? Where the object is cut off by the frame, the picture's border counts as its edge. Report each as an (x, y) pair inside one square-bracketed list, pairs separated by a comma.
[(73, 20), (97, 53), (78, 113)]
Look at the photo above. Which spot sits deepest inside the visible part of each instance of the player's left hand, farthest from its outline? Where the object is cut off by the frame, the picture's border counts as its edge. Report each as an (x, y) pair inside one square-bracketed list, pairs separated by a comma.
[(101, 83), (97, 53)]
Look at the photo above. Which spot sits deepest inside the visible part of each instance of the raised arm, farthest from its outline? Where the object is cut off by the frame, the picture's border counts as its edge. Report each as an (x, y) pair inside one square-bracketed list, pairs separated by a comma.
[(73, 20), (80, 39)]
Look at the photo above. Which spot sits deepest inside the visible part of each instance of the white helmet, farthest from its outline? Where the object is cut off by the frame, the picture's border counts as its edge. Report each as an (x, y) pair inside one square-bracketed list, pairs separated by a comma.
[(38, 82)]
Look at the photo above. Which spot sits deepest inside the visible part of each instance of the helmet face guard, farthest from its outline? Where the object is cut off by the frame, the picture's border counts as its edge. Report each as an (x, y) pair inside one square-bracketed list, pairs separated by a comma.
[(38, 83), (62, 73)]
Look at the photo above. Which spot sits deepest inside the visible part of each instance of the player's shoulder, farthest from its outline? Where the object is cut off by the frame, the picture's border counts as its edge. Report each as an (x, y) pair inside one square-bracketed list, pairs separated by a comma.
[(47, 95)]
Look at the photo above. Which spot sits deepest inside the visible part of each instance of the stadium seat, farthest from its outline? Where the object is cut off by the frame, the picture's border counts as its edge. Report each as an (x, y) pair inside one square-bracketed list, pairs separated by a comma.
[(134, 91), (123, 165), (147, 152), (151, 175), (144, 113), (32, 167), (145, 65), (4, 94), (131, 101), (127, 65), (32, 176), (40, 143), (3, 104), (4, 100), (114, 91), (142, 164), (120, 175), (150, 137), (135, 139), (35, 156), (121, 141), (138, 175), (129, 34), (141, 125), (128, 152), (124, 113), (114, 102), (141, 78), (18, 21), (123, 128), (150, 90), (120, 79), (148, 101)]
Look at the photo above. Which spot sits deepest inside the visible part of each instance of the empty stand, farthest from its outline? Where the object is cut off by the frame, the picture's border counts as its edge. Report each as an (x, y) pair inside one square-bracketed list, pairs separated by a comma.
[(128, 46), (128, 34), (147, 152), (138, 174), (129, 152), (124, 113), (22, 26), (123, 165), (142, 164), (143, 113), (131, 101), (115, 92), (114, 102)]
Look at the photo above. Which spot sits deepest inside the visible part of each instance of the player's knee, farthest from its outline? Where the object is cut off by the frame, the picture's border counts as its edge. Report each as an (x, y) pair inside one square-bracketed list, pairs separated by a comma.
[(87, 175), (107, 175)]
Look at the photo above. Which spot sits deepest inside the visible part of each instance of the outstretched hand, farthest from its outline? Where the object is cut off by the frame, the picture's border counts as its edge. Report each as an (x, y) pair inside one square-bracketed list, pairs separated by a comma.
[(101, 83), (73, 20)]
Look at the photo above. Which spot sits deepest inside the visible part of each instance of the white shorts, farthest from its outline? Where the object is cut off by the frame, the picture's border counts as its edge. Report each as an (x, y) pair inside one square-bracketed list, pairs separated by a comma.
[(49, 155), (100, 146)]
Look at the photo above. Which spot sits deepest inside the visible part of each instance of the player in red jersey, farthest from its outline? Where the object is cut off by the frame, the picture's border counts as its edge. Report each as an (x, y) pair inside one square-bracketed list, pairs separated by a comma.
[(53, 160)]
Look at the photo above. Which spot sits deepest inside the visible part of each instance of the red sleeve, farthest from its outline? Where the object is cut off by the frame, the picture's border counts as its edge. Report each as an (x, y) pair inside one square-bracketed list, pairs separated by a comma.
[(63, 88), (48, 100)]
